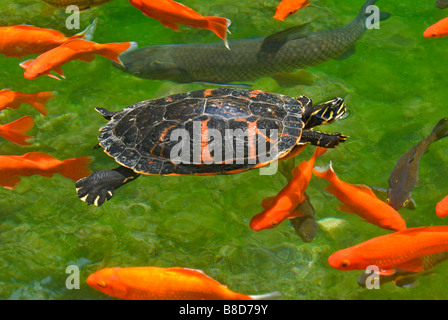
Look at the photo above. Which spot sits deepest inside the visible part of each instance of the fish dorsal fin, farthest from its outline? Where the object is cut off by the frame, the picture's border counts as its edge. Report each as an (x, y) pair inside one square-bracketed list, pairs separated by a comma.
[(365, 189), (195, 273), (25, 64), (268, 202), (414, 265), (273, 43), (37, 156)]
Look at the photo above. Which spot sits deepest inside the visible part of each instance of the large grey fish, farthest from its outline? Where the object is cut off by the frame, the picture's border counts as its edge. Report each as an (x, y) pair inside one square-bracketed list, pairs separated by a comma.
[(404, 175), (442, 4), (248, 59)]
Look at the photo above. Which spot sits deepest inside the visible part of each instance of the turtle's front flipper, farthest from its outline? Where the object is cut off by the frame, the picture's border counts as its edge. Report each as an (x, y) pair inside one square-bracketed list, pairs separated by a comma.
[(320, 139), (100, 185)]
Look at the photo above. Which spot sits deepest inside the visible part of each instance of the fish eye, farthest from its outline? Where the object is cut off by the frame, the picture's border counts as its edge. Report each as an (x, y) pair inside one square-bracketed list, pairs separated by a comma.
[(274, 223), (345, 263), (101, 284)]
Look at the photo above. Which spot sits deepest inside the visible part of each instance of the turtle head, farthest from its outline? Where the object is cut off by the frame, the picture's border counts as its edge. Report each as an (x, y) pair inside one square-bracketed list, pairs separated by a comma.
[(324, 113)]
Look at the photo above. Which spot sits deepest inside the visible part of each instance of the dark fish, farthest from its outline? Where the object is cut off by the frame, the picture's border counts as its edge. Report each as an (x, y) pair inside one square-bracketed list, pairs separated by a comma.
[(442, 4), (81, 4), (407, 279), (306, 226), (248, 59), (404, 175), (381, 194)]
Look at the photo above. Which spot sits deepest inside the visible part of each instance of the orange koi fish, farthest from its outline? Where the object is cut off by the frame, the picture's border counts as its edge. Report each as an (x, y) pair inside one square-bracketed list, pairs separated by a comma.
[(12, 99), (19, 41), (289, 7), (283, 205), (74, 49), (442, 208), (403, 250), (437, 30), (152, 283), (15, 131), (360, 200), (12, 167), (171, 13)]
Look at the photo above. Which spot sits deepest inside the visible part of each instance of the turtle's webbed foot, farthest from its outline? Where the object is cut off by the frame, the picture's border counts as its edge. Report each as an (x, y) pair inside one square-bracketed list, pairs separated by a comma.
[(100, 185), (94, 189), (320, 139)]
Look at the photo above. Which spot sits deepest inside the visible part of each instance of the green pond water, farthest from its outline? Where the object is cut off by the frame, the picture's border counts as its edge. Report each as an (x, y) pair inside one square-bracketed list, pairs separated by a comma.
[(395, 89)]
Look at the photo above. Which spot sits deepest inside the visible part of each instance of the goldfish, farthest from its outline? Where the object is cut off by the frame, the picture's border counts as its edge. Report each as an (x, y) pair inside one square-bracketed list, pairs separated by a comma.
[(403, 250), (13, 167), (288, 7), (437, 30), (404, 175), (360, 200), (74, 49), (442, 208), (22, 40), (406, 279), (15, 131), (171, 13), (81, 4), (283, 205), (13, 99), (153, 283)]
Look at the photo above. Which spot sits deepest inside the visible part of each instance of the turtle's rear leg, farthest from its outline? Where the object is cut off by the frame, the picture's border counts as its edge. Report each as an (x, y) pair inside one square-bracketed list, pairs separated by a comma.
[(320, 139), (100, 185)]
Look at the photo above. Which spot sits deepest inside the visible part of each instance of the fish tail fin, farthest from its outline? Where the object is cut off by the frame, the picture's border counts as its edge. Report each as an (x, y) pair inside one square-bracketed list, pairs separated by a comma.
[(326, 173), (39, 99), (76, 168), (440, 130), (113, 51), (15, 131), (220, 26), (270, 295), (88, 32), (319, 151)]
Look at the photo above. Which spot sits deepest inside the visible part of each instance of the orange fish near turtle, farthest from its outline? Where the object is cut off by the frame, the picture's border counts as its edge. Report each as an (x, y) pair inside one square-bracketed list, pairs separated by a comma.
[(171, 13), (13, 99), (15, 131), (153, 283), (442, 207), (283, 206), (287, 8), (74, 49), (437, 30), (14, 167), (403, 250), (22, 40), (360, 200)]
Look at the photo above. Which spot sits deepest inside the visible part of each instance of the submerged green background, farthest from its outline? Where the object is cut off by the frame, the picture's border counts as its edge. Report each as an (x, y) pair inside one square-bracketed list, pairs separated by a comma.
[(395, 88)]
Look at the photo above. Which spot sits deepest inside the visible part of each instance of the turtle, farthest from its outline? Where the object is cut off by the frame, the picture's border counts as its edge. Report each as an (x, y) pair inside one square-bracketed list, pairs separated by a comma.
[(188, 133)]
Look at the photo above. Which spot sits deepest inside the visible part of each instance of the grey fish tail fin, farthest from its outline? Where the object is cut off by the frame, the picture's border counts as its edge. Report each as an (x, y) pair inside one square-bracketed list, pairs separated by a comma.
[(440, 130)]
